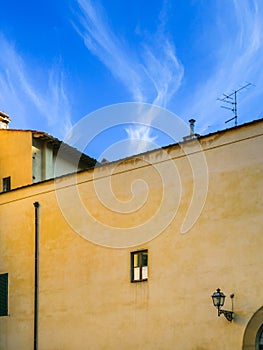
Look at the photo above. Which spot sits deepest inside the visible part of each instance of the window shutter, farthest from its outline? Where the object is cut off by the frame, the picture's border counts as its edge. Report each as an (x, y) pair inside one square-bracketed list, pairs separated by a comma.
[(4, 294)]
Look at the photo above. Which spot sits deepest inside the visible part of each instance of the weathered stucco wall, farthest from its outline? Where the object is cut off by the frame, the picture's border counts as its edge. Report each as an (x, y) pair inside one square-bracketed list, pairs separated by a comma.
[(86, 299)]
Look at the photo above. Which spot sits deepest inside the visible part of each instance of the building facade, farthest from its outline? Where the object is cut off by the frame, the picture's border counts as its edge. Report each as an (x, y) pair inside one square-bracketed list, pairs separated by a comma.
[(127, 254)]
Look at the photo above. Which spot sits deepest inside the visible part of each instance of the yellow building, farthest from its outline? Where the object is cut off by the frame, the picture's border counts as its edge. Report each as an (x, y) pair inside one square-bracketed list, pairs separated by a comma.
[(29, 156), (128, 254)]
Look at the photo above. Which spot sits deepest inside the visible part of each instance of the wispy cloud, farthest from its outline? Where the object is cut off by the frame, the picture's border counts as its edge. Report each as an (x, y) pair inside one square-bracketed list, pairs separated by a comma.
[(23, 97), (152, 73), (238, 60), (143, 134)]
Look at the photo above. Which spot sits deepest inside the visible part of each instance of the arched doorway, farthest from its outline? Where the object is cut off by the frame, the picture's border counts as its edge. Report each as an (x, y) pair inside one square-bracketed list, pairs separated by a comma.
[(253, 336)]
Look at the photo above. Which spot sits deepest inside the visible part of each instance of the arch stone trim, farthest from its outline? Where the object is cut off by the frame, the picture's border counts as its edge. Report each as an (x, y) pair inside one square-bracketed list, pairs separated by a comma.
[(251, 331)]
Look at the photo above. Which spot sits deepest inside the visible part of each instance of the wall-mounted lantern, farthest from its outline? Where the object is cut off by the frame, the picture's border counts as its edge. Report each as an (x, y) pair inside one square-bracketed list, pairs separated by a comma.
[(218, 298)]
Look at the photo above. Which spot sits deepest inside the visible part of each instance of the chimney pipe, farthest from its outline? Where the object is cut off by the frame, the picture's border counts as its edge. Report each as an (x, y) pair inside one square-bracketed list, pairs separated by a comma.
[(4, 120), (192, 126), (192, 134)]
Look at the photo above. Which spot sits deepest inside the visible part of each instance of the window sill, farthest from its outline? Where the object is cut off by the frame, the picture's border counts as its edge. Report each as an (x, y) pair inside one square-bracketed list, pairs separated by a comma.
[(136, 281)]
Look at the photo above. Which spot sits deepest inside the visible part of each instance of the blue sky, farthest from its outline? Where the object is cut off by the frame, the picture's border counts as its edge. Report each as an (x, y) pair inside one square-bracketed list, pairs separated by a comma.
[(62, 60)]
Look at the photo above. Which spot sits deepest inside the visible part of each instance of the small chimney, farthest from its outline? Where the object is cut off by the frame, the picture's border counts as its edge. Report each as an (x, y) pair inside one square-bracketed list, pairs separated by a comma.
[(4, 120), (192, 134), (192, 126)]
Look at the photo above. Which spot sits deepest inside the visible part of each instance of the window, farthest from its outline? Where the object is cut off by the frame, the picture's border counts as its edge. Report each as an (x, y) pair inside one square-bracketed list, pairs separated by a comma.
[(4, 294), (139, 266), (6, 184), (259, 339)]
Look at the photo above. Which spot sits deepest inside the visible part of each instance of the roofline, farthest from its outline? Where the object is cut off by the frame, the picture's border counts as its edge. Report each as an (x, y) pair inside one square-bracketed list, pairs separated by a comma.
[(22, 130), (231, 128), (199, 137), (136, 155), (55, 141)]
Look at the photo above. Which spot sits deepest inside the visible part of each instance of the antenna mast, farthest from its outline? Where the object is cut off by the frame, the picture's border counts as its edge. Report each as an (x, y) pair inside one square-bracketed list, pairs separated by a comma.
[(232, 99)]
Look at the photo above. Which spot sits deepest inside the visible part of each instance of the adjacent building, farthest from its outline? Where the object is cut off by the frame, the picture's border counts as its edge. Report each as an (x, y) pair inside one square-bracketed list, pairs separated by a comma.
[(29, 156)]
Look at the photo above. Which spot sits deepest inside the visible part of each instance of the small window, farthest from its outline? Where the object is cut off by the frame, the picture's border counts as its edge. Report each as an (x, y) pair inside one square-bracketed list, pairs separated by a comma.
[(6, 184), (139, 266), (4, 294)]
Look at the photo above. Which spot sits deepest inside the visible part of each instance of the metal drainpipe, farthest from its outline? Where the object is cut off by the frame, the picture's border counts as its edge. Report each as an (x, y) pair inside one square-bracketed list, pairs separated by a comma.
[(36, 205)]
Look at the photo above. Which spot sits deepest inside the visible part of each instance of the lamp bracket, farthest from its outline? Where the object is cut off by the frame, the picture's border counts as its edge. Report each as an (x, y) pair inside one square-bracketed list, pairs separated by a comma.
[(229, 315)]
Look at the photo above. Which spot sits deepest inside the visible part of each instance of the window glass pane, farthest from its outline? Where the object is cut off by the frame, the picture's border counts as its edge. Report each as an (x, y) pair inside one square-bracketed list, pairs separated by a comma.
[(144, 272), (144, 259), (135, 260), (261, 339), (6, 184), (136, 274)]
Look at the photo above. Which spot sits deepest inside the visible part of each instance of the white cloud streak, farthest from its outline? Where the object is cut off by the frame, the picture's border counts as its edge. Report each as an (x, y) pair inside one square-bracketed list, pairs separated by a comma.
[(151, 74), (143, 134), (23, 97)]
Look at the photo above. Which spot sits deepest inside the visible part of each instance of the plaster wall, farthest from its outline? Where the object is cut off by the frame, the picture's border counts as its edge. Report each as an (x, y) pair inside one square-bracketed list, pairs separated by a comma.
[(86, 299), (62, 167)]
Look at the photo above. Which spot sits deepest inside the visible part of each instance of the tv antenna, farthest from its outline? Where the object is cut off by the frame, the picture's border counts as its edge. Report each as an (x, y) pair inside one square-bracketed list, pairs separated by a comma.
[(232, 100)]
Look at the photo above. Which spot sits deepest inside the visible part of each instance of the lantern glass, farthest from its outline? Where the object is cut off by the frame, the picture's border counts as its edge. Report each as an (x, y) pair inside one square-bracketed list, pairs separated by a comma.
[(218, 298)]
